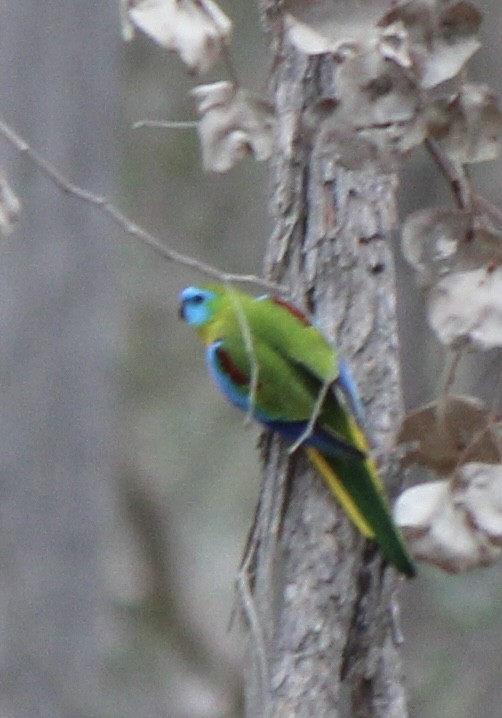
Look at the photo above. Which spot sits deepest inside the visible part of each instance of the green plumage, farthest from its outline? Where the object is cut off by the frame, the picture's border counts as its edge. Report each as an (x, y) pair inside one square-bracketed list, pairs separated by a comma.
[(294, 361)]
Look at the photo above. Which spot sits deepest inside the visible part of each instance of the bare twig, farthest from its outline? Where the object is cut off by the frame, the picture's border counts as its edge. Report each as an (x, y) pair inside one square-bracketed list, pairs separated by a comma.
[(450, 371), (248, 605), (486, 206), (165, 124), (247, 338), (316, 410), (457, 178), (261, 551), (120, 219), (465, 197)]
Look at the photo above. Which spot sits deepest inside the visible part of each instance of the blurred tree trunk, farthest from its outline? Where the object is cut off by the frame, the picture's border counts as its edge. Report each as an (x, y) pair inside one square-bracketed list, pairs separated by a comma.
[(58, 318), (323, 612)]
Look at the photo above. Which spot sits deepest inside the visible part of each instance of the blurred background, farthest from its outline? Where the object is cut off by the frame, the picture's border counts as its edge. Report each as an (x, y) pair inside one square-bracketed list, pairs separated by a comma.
[(127, 485)]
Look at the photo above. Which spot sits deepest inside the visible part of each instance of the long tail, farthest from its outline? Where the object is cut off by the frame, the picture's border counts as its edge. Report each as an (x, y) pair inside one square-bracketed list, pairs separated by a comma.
[(355, 484)]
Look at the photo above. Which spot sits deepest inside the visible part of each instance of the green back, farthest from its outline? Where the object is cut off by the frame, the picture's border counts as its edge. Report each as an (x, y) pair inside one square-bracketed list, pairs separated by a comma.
[(293, 358)]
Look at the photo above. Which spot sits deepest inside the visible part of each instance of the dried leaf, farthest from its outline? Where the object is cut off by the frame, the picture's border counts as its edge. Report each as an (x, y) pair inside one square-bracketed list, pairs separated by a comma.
[(441, 41), (437, 241), (196, 29), (374, 115), (394, 44), (465, 308), (326, 27), (431, 239), (478, 489), (439, 527), (374, 91), (468, 126), (459, 259), (233, 123), (442, 436), (305, 38), (10, 206)]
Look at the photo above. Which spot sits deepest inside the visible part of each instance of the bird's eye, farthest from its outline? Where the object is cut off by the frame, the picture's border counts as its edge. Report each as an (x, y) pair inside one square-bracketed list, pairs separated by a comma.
[(197, 299)]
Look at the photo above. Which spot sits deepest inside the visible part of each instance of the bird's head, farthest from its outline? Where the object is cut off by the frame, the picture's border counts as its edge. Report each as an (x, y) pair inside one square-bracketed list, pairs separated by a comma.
[(198, 304)]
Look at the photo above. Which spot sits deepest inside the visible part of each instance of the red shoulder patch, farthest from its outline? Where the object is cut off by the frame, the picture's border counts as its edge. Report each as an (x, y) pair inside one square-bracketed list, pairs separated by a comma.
[(292, 310), (228, 367)]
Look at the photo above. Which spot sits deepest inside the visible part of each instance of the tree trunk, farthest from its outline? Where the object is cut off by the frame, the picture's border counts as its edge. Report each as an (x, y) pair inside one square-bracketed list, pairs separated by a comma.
[(322, 606), (59, 315)]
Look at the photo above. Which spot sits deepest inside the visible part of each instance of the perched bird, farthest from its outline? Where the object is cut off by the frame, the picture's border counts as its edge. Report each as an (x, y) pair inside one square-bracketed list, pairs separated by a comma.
[(268, 359)]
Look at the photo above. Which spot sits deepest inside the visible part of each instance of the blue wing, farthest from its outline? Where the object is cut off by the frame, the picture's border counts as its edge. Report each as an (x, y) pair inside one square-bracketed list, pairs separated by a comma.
[(345, 382), (230, 381)]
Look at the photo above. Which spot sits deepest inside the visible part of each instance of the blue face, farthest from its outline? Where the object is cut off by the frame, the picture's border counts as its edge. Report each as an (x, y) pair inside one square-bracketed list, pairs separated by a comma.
[(194, 305)]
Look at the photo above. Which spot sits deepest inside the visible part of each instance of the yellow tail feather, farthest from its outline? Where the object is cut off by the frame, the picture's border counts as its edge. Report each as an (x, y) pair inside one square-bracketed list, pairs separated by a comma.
[(335, 486)]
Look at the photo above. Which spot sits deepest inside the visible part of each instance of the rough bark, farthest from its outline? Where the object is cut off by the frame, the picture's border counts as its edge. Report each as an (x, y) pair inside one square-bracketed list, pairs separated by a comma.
[(325, 639), (59, 315)]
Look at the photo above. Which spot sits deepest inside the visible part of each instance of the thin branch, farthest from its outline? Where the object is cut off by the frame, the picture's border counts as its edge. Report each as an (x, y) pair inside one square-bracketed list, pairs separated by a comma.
[(465, 197), (457, 178), (316, 410), (486, 206), (247, 338), (450, 372), (261, 550), (165, 124), (248, 605), (127, 225)]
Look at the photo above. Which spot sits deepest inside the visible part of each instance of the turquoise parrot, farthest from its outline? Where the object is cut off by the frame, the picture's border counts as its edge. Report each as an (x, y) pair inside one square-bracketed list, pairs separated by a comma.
[(268, 359)]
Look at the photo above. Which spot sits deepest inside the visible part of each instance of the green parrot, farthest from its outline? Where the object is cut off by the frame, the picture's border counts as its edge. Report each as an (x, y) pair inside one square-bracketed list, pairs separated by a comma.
[(268, 359)]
